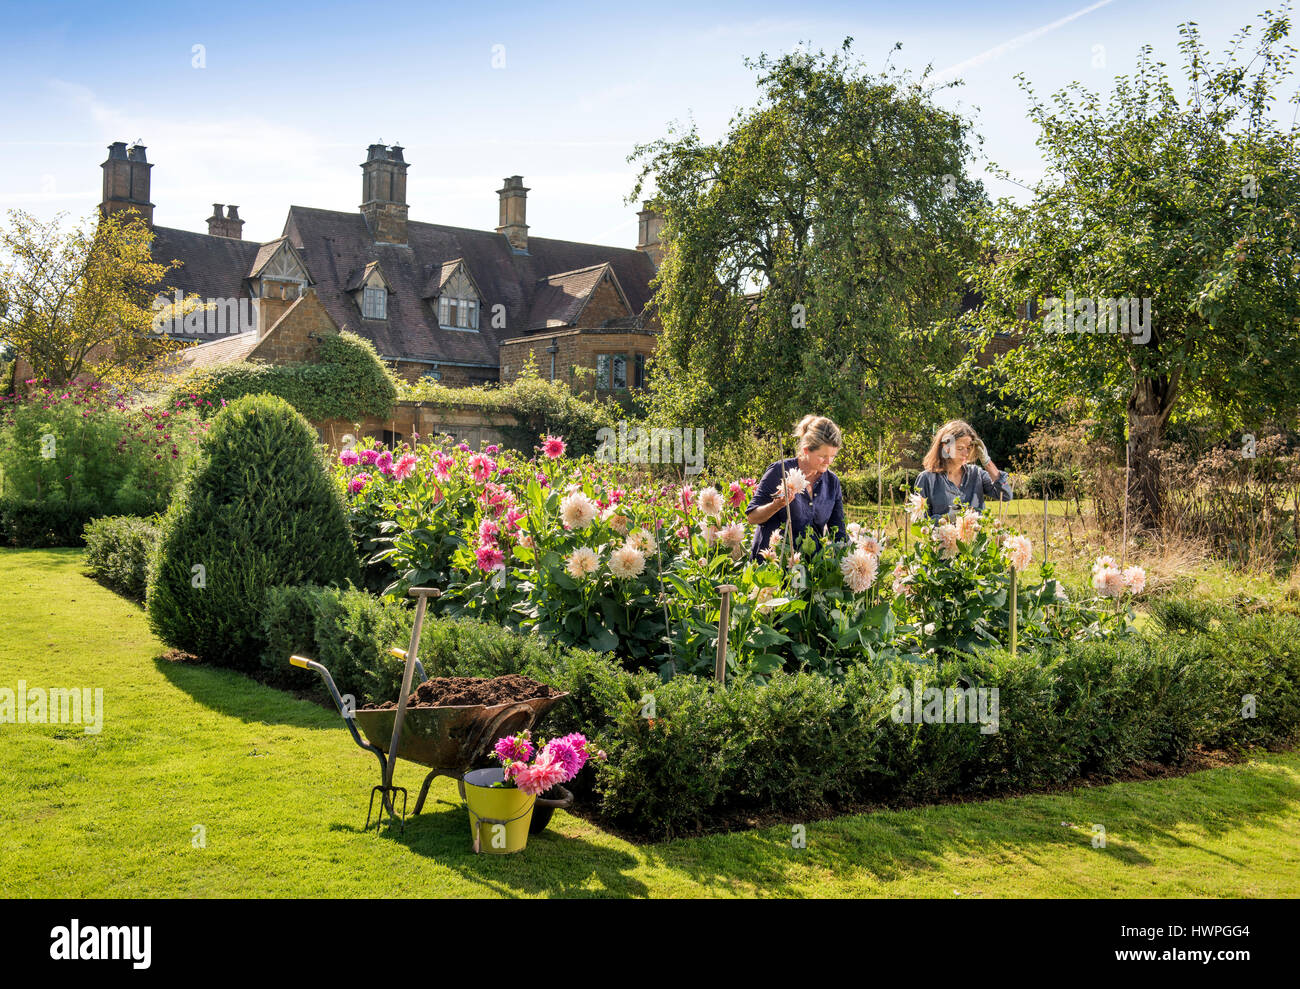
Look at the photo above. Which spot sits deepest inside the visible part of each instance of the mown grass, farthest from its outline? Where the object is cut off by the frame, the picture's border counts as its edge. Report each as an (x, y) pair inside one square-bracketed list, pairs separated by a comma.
[(279, 791)]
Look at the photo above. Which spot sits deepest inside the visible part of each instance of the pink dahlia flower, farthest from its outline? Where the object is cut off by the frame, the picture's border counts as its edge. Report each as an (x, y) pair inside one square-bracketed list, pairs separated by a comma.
[(1019, 550), (349, 458), (1135, 579), (405, 466), (553, 447), (546, 772), (481, 467)]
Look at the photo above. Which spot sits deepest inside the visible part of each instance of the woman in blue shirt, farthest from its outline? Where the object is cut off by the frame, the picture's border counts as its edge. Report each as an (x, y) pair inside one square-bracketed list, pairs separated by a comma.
[(819, 506), (950, 475)]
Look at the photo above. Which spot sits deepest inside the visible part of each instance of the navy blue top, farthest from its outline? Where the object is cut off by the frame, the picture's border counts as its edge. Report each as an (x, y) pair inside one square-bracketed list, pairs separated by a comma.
[(820, 506), (940, 492)]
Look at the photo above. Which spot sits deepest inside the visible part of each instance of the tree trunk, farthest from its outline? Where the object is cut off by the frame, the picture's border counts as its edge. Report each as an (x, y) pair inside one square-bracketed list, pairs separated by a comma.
[(1148, 410)]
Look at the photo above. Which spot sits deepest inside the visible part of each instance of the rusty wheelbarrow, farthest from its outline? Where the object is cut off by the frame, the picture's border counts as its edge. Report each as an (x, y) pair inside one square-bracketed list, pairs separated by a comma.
[(450, 740)]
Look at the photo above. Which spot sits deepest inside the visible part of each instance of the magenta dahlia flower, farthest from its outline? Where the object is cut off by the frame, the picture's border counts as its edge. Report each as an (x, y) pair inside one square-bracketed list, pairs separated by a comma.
[(349, 458), (489, 558), (516, 747)]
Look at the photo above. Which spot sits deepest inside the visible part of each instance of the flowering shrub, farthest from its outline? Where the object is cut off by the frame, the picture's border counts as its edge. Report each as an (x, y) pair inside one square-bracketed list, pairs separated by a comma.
[(84, 444), (574, 551)]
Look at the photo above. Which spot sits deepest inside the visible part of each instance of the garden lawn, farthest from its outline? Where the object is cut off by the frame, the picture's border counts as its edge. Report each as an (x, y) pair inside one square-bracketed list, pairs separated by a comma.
[(277, 791)]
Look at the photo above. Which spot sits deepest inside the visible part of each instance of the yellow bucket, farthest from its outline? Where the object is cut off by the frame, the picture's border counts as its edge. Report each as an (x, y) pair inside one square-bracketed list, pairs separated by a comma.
[(498, 816)]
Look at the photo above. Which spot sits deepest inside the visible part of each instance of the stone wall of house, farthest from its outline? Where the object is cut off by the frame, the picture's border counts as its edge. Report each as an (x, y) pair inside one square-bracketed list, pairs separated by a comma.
[(576, 348), (604, 304), (452, 376), (296, 334), (468, 424)]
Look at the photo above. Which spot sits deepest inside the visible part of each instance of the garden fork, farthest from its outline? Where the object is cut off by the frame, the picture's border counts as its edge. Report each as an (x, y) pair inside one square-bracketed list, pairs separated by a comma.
[(386, 790)]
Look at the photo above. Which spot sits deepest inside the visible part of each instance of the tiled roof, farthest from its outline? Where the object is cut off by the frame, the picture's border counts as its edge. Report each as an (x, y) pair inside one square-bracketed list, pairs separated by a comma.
[(561, 297), (224, 351), (212, 267), (334, 245)]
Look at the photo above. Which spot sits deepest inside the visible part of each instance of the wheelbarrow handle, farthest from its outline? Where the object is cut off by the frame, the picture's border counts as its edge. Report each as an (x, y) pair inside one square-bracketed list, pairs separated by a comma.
[(311, 664), (419, 667)]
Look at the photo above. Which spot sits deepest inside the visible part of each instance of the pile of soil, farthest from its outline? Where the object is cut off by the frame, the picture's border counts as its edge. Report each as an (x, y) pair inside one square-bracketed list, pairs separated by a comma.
[(458, 691)]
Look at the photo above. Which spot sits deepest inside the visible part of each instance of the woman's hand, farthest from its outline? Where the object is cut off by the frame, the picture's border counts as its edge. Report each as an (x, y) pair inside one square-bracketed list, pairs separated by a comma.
[(764, 512)]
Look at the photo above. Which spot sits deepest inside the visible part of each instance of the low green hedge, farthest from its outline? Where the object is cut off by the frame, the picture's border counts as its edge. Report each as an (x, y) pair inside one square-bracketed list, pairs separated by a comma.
[(119, 549), (37, 524), (1050, 480), (860, 487), (802, 744), (686, 756)]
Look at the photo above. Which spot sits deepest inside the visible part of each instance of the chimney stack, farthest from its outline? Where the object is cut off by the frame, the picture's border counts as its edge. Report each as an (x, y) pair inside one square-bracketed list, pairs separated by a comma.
[(650, 224), (383, 193), (126, 181), (514, 213), (229, 225)]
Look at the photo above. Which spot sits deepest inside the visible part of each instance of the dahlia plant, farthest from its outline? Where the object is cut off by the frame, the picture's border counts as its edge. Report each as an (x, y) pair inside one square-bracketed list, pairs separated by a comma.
[(588, 554)]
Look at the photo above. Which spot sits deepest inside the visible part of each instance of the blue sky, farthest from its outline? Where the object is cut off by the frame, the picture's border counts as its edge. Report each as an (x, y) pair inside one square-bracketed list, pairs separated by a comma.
[(289, 96)]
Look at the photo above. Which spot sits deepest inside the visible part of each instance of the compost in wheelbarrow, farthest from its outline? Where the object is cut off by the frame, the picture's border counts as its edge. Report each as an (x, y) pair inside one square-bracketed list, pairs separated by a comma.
[(452, 737)]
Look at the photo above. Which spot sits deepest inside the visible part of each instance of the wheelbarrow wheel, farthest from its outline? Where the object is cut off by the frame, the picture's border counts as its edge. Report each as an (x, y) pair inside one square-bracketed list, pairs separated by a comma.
[(545, 805)]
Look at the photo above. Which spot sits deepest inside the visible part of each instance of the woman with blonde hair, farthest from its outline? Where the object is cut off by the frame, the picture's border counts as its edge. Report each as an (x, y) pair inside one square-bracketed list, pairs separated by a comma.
[(949, 473), (803, 483)]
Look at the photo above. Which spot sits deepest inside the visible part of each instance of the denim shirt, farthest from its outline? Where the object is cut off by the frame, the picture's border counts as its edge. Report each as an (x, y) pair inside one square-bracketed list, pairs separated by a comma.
[(820, 506), (940, 492)]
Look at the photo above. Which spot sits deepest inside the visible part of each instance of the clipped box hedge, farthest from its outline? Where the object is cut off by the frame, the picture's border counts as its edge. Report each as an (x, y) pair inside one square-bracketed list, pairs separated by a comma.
[(698, 758), (119, 550)]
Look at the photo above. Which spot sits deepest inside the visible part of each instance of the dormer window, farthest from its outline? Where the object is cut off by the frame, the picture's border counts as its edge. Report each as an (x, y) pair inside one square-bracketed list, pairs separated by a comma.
[(374, 302), (369, 288), (458, 301)]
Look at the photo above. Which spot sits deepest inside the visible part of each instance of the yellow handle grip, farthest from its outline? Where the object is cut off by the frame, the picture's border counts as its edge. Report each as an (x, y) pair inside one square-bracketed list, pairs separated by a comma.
[(399, 653), (299, 661)]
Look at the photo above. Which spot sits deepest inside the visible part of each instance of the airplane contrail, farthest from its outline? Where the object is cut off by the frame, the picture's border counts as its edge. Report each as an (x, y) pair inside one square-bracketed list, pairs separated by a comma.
[(1017, 42)]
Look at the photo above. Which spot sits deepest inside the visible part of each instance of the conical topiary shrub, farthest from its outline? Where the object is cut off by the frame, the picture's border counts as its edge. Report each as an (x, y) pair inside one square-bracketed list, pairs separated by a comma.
[(256, 510)]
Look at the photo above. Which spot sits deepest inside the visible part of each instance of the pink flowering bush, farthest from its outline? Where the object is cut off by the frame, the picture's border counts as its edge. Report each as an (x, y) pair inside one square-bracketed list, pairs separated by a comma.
[(86, 445)]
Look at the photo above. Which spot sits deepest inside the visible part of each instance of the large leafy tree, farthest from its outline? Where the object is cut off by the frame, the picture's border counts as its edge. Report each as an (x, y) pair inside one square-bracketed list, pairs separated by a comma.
[(811, 252), (1189, 201), (80, 301)]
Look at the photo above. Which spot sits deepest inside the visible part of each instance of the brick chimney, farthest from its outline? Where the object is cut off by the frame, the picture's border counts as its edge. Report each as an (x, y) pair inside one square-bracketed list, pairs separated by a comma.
[(229, 225), (383, 194), (126, 181), (514, 213), (650, 225)]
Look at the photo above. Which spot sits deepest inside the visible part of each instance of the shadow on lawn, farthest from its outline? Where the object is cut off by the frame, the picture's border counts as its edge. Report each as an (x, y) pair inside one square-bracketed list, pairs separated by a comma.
[(885, 844), (232, 693), (890, 845), (553, 863)]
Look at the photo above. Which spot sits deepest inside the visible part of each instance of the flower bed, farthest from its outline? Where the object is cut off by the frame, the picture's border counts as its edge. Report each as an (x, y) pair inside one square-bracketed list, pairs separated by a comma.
[(585, 556)]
